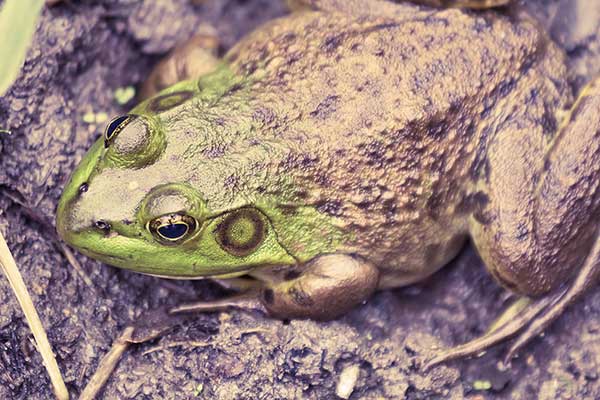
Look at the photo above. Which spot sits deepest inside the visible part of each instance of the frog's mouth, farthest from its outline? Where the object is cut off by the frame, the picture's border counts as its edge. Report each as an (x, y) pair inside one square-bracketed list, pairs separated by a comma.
[(139, 255), (181, 277)]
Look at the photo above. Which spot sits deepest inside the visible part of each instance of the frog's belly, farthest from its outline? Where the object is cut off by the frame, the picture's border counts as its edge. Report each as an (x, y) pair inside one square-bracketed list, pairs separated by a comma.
[(433, 257), (407, 253)]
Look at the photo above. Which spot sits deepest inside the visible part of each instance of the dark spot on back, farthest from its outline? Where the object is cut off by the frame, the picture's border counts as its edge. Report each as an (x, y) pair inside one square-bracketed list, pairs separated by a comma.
[(326, 107), (233, 57), (479, 163), (215, 150), (482, 24), (231, 181), (522, 231), (437, 129), (472, 202), (249, 67), (504, 88), (374, 152), (331, 43), (529, 62), (288, 37), (434, 203), (234, 88), (264, 115), (288, 209), (329, 207), (302, 194)]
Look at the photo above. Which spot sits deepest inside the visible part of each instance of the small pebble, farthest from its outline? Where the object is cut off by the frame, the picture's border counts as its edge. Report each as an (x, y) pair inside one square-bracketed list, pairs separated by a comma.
[(348, 379)]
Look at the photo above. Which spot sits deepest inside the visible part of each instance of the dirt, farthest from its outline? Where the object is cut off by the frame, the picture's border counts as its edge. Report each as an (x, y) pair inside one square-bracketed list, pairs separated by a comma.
[(82, 52)]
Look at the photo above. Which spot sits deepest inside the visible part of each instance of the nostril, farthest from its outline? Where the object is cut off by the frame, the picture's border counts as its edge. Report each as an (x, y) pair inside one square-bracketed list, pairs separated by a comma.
[(102, 225), (83, 187)]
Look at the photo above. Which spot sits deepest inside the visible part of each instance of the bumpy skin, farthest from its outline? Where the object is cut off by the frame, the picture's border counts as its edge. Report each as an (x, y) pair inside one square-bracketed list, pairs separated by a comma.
[(389, 136), (385, 133)]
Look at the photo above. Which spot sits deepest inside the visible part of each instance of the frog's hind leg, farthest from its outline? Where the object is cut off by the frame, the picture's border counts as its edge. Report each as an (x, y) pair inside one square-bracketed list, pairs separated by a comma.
[(191, 59), (387, 7), (534, 243), (474, 4)]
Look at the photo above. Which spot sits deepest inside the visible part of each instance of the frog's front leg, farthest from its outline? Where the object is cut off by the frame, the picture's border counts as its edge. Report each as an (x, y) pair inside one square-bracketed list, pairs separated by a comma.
[(541, 223), (191, 59), (323, 288)]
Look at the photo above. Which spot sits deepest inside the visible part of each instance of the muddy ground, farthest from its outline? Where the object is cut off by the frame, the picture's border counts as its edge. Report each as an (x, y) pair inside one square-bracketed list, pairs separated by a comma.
[(83, 51)]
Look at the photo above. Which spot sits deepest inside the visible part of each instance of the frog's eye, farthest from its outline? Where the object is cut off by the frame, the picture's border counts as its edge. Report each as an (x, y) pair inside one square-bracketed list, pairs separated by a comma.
[(172, 228), (115, 126), (241, 231)]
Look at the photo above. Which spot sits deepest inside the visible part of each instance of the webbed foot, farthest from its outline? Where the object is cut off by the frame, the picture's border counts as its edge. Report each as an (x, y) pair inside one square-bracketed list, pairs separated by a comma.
[(529, 321)]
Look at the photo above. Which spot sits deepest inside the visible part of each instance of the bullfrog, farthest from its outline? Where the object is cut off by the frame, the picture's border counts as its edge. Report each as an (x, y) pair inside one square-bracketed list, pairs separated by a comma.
[(349, 147)]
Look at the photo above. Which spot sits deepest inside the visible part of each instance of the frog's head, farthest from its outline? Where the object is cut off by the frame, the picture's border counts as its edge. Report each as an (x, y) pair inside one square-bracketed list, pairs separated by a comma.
[(152, 196)]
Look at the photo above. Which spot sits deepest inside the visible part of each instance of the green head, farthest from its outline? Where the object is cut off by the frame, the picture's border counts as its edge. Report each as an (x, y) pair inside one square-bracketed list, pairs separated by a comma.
[(185, 186)]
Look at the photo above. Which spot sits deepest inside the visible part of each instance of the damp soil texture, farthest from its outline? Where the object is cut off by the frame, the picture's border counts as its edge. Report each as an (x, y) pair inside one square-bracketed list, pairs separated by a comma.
[(83, 52)]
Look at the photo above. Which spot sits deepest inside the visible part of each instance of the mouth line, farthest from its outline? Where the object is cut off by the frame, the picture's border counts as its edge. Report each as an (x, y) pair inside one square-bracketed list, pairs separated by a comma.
[(97, 255)]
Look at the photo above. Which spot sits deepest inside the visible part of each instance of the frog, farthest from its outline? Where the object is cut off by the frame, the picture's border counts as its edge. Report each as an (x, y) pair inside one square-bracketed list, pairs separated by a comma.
[(349, 147)]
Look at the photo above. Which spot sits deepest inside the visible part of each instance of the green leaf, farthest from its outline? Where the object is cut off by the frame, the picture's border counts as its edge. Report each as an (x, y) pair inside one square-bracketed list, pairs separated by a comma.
[(482, 385), (18, 20), (124, 94)]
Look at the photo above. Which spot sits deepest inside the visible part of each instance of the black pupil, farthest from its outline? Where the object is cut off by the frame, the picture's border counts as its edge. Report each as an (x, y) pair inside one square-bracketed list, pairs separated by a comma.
[(173, 231), (114, 124)]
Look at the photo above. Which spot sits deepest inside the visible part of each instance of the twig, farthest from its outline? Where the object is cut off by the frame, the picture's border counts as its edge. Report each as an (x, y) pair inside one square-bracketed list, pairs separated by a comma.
[(149, 326), (9, 267), (192, 344), (107, 365), (76, 265)]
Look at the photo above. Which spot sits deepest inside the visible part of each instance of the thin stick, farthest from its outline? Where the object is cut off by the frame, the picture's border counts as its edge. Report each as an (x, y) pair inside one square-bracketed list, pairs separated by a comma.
[(76, 265), (9, 266), (107, 365)]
